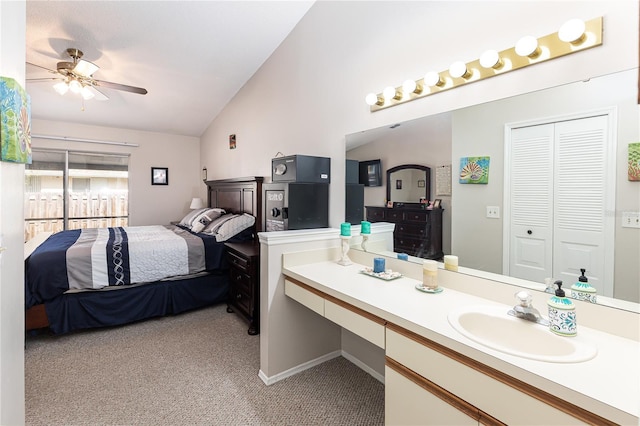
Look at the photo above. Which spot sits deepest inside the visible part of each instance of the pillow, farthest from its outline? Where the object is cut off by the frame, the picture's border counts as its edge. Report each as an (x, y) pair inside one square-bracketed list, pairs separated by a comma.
[(234, 225), (190, 218), (212, 227), (205, 218)]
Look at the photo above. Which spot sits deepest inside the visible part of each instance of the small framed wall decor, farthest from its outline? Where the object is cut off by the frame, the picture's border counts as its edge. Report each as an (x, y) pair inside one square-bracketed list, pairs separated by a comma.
[(421, 183), (232, 141), (159, 176)]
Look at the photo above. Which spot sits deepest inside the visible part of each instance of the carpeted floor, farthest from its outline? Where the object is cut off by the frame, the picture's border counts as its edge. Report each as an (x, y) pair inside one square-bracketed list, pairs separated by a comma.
[(196, 368)]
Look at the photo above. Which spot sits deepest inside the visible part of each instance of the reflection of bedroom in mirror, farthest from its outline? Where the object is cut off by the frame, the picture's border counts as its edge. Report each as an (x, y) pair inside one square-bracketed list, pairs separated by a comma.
[(480, 131)]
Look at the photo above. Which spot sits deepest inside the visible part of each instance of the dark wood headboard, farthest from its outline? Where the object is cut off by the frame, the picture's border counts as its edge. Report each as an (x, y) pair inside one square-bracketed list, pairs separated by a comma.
[(238, 195)]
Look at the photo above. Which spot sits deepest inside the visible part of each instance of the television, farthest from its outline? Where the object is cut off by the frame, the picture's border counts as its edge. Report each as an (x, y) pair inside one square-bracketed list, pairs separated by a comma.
[(370, 173)]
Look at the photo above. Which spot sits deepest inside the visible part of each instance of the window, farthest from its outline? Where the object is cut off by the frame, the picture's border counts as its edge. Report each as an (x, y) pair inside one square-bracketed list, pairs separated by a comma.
[(75, 190)]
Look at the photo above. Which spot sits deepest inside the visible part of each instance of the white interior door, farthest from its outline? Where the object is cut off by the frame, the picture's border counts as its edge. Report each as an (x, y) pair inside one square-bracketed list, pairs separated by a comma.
[(531, 203), (580, 195), (560, 186)]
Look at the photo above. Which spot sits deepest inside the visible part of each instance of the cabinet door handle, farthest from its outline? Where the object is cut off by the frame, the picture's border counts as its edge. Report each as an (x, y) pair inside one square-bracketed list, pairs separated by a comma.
[(529, 231)]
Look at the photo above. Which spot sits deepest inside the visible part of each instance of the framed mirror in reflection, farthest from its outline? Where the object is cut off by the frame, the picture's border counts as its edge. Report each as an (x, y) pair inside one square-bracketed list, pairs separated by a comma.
[(482, 243), (409, 183)]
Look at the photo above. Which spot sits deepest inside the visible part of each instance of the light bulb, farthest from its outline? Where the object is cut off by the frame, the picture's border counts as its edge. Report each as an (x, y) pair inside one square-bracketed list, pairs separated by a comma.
[(410, 86), (61, 87), (490, 59), (527, 46), (86, 93), (75, 86), (572, 31), (373, 99), (432, 78), (459, 69), (390, 93)]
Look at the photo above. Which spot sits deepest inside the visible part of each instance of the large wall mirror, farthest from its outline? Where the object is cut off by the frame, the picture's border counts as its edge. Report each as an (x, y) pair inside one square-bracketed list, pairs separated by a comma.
[(480, 130)]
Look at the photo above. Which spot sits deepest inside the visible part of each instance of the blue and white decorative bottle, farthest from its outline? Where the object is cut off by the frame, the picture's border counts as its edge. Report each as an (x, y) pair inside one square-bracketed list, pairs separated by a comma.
[(582, 290), (562, 313)]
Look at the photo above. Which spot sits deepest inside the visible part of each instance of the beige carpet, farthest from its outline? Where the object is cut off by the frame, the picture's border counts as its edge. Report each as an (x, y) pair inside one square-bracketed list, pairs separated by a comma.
[(196, 368)]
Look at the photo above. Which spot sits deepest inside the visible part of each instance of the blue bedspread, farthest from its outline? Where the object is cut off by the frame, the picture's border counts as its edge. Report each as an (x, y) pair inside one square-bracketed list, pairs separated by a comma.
[(92, 259)]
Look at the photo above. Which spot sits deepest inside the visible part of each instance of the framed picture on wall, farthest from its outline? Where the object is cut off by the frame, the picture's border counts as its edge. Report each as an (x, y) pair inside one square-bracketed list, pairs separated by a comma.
[(159, 176)]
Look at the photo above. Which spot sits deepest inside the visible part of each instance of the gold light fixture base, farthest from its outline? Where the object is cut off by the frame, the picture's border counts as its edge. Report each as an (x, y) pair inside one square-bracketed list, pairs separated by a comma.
[(550, 46)]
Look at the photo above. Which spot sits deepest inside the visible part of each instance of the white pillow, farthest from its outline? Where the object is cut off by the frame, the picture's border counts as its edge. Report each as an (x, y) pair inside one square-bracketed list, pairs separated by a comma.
[(234, 225), (187, 221), (196, 214), (212, 227)]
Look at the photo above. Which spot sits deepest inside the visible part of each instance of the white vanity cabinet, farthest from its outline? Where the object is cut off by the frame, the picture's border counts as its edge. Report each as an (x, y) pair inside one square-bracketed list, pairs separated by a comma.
[(357, 321), (434, 377)]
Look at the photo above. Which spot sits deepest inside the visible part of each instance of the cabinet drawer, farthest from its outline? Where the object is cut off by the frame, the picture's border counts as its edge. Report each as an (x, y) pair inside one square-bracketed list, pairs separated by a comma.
[(238, 262), (304, 296), (407, 243), (242, 300), (393, 215), (356, 323), (471, 385), (375, 215), (419, 216), (411, 230), (240, 280)]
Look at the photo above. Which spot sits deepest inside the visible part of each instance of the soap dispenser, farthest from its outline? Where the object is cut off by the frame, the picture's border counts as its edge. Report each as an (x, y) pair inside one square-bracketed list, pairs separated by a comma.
[(562, 313), (582, 290)]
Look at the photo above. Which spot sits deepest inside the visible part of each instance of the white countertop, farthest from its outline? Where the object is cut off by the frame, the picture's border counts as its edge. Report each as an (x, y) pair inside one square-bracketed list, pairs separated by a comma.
[(608, 385)]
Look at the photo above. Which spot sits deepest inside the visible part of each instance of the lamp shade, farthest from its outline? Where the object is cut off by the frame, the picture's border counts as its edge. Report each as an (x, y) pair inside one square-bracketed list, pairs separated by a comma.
[(196, 203)]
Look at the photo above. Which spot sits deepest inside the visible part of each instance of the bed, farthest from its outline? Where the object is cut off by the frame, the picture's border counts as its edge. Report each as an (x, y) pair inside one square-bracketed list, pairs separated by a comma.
[(81, 279)]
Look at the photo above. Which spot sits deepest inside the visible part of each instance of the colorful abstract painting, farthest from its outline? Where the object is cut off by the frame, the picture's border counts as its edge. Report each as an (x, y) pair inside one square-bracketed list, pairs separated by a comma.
[(474, 170), (634, 161), (15, 122)]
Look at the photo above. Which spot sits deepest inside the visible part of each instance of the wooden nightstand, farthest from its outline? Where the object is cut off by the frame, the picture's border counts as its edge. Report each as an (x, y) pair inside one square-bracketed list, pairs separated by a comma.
[(244, 282)]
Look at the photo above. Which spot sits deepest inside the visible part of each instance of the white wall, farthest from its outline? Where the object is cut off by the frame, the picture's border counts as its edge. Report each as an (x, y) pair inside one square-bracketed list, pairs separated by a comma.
[(12, 56), (148, 204), (310, 92)]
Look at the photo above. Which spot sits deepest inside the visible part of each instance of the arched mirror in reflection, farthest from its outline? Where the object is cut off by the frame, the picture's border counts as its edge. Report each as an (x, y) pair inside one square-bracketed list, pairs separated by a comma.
[(408, 183), (480, 131)]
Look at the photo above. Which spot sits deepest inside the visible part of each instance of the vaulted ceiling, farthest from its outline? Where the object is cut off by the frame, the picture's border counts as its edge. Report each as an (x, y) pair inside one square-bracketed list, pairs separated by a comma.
[(191, 56)]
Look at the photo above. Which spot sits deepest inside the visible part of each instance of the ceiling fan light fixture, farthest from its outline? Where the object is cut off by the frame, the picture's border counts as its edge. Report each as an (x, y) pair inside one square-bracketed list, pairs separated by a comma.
[(87, 93), (75, 86), (61, 88)]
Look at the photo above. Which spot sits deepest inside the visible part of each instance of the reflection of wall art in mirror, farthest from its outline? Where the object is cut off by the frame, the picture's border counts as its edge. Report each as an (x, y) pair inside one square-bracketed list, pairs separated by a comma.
[(398, 183), (634, 161), (420, 184), (159, 176), (474, 170)]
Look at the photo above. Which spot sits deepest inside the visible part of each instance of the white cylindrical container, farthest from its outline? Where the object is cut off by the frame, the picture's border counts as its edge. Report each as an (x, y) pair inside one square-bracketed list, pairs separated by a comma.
[(450, 262), (430, 274)]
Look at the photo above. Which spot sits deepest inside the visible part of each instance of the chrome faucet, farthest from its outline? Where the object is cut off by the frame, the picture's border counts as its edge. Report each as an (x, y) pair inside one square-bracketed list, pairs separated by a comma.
[(525, 310)]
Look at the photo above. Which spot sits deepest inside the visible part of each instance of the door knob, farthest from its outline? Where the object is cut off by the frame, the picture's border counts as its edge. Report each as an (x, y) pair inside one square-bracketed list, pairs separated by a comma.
[(529, 232)]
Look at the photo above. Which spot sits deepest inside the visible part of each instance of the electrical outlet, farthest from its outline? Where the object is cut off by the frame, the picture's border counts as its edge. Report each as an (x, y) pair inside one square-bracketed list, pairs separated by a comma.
[(493, 212), (631, 219)]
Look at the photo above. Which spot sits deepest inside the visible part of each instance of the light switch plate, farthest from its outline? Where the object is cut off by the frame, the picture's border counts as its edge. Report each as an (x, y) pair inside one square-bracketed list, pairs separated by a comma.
[(493, 212), (631, 219)]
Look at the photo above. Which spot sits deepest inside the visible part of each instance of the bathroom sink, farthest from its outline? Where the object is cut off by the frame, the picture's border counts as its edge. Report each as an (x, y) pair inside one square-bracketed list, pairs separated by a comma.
[(491, 326)]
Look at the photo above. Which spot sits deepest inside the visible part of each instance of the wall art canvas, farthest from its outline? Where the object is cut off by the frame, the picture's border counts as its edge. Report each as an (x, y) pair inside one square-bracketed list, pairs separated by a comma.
[(474, 170), (15, 122), (634, 161), (232, 141)]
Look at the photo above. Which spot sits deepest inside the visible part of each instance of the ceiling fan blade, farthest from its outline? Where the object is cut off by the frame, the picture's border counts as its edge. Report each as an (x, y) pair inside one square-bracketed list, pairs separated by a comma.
[(37, 80), (44, 68), (124, 87), (98, 95)]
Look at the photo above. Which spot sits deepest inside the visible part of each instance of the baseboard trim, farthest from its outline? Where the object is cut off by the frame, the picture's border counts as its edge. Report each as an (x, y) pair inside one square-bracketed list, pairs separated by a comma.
[(364, 367), (297, 369)]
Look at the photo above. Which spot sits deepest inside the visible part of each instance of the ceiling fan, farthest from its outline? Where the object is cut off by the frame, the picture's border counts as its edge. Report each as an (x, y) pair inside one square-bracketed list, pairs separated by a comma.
[(77, 77)]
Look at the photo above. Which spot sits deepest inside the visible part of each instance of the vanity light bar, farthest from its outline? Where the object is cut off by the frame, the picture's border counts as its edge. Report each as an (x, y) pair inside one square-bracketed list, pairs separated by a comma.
[(548, 47)]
